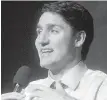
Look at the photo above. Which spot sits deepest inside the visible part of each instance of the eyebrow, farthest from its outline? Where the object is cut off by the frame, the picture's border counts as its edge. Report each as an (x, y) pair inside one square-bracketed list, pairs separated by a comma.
[(50, 26)]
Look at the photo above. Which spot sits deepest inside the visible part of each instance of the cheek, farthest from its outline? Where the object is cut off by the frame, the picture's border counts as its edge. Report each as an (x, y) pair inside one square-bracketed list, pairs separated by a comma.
[(60, 43)]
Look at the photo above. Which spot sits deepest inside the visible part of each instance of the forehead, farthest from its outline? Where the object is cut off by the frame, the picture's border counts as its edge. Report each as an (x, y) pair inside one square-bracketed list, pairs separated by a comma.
[(49, 18)]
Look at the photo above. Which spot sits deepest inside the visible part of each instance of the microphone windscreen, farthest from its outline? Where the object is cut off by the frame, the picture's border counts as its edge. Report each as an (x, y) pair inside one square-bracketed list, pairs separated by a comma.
[(22, 76)]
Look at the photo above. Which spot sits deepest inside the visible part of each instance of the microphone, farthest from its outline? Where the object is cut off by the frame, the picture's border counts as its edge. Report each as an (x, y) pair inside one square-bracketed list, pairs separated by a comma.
[(21, 79)]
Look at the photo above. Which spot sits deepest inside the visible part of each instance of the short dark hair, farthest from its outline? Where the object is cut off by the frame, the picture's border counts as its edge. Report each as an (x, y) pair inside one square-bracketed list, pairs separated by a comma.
[(77, 16)]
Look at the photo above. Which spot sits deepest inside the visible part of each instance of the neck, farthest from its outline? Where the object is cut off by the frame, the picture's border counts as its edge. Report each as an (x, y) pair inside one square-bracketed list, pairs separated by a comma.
[(64, 66)]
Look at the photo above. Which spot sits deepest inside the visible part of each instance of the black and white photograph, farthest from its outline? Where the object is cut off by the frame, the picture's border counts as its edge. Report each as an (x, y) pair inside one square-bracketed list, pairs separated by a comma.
[(54, 50)]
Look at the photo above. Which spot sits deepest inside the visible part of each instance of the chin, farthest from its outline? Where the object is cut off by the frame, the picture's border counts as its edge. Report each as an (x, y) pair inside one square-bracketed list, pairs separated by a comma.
[(46, 65)]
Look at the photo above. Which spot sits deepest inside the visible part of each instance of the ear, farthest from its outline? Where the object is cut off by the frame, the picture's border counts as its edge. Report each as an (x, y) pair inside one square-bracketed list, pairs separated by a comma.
[(80, 38)]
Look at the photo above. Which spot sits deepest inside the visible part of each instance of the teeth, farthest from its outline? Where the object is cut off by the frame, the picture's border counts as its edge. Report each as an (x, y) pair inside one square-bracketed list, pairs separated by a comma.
[(43, 51)]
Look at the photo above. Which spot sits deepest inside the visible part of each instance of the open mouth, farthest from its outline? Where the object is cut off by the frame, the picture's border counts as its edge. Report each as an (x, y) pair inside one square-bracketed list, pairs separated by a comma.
[(46, 50)]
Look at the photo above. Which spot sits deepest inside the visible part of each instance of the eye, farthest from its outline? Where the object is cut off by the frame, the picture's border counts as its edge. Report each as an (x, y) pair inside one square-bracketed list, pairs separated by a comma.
[(38, 31), (54, 31)]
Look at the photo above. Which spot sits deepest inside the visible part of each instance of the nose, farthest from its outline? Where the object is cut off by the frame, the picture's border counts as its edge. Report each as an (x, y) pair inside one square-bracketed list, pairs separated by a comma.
[(43, 39)]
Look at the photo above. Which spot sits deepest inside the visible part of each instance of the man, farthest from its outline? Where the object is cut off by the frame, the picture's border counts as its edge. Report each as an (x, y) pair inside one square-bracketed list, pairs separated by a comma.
[(64, 34)]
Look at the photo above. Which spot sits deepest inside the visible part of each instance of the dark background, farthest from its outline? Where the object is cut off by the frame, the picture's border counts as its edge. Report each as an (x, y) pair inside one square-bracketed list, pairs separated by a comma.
[(18, 39)]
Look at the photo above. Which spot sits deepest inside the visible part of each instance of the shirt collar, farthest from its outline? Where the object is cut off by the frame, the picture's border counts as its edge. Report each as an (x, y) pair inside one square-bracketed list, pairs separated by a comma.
[(72, 76)]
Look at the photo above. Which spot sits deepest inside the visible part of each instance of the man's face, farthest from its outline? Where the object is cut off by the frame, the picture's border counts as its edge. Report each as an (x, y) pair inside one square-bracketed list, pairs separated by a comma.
[(54, 40)]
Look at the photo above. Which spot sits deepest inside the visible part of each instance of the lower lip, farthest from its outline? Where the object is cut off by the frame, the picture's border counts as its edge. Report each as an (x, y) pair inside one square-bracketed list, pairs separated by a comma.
[(48, 52)]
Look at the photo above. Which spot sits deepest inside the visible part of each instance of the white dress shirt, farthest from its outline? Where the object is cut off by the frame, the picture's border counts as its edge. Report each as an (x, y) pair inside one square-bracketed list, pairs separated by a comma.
[(82, 83)]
